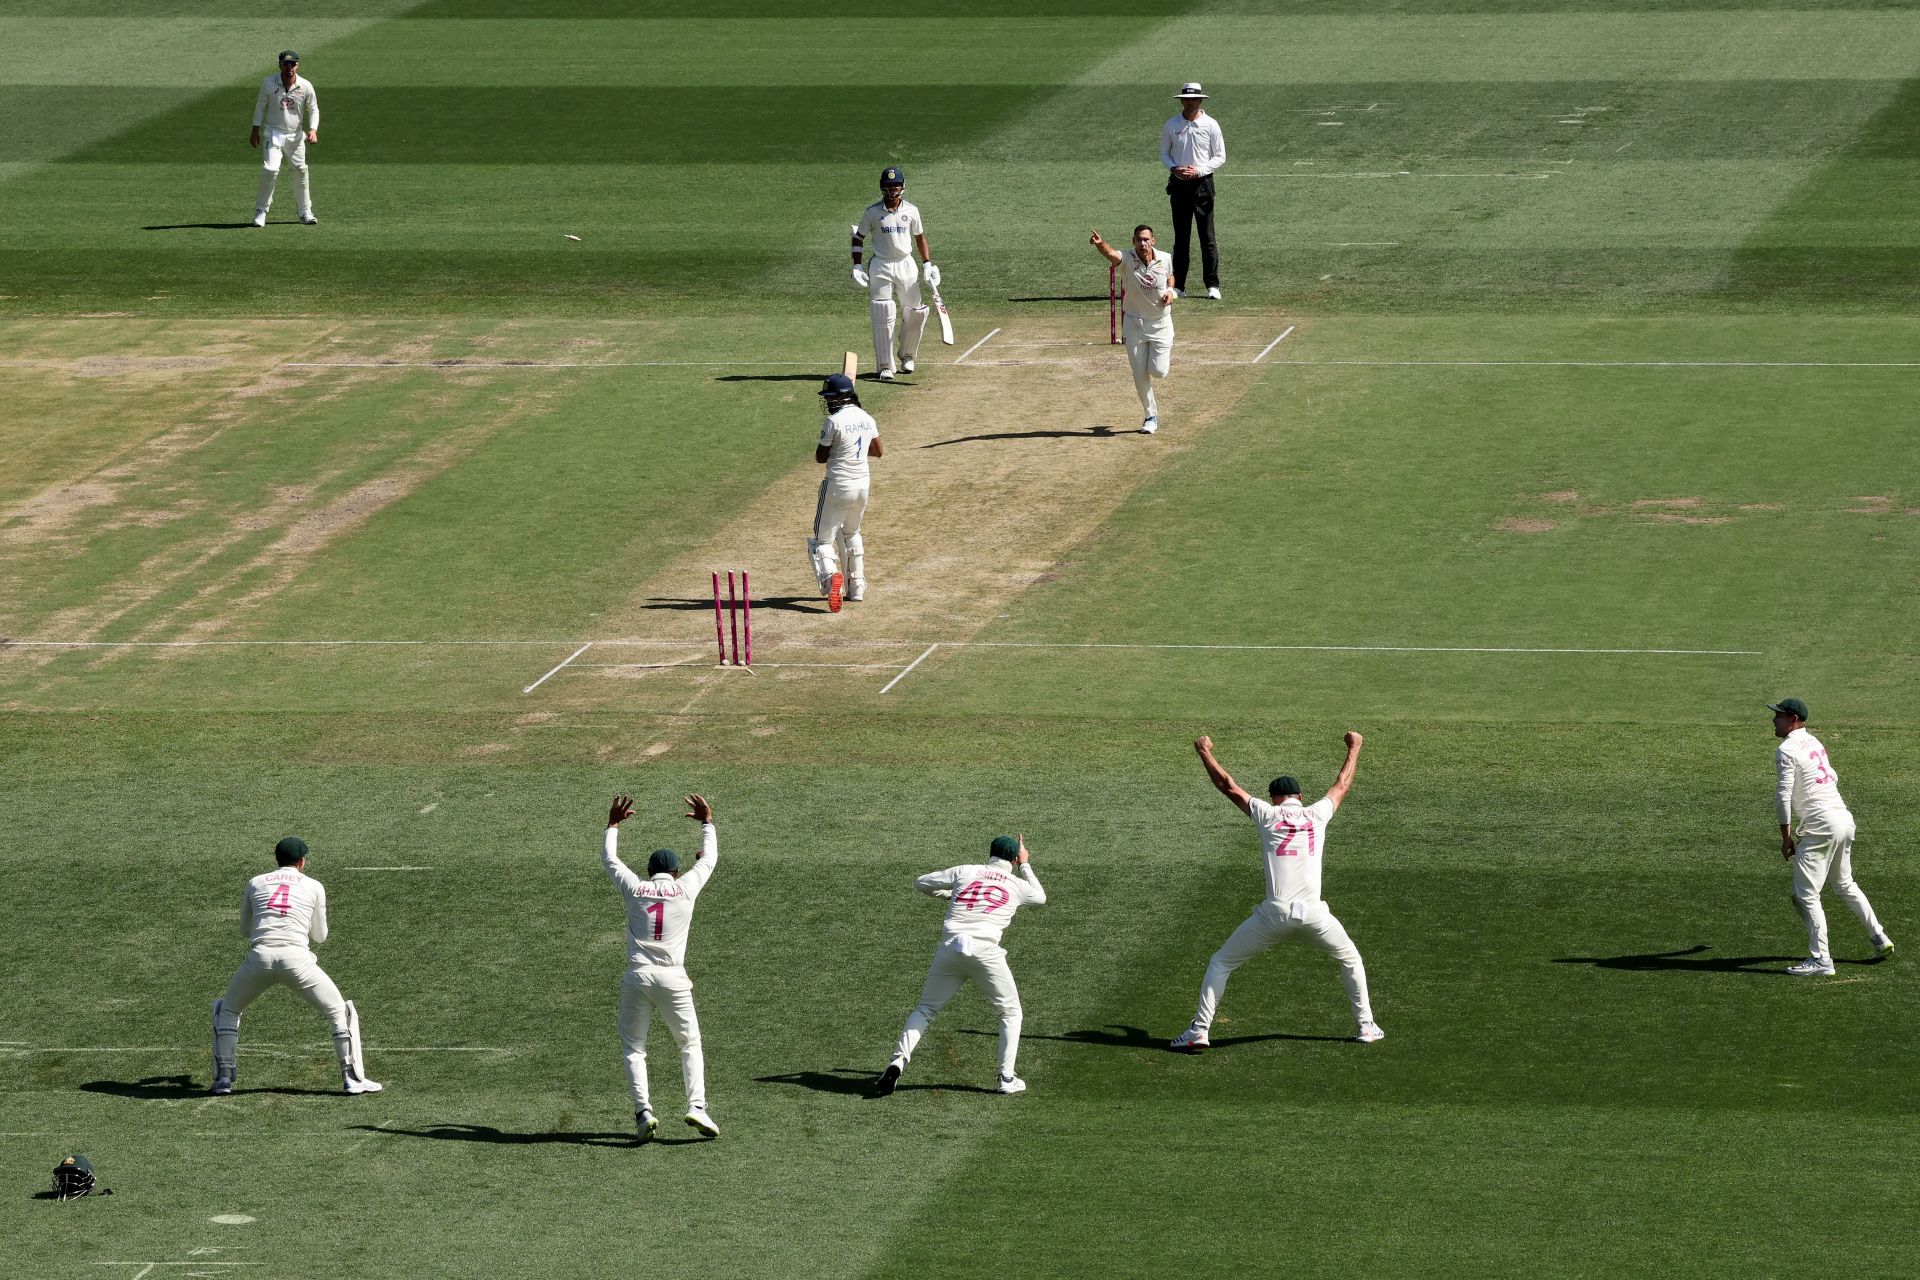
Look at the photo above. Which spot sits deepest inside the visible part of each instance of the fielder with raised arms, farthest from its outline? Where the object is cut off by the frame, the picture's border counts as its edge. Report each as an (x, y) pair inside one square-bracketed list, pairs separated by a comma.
[(659, 912), (1293, 847), (891, 228), (848, 437), (984, 898), (283, 916), (1146, 321)]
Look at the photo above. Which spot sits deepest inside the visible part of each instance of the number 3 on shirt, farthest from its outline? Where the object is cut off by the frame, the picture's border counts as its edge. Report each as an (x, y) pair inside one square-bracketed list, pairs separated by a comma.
[(658, 910), (282, 899)]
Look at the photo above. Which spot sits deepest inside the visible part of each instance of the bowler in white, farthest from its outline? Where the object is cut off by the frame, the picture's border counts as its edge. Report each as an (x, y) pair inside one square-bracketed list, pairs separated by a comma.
[(1146, 314), (289, 109), (1293, 846), (283, 916), (1821, 851), (659, 913), (983, 897)]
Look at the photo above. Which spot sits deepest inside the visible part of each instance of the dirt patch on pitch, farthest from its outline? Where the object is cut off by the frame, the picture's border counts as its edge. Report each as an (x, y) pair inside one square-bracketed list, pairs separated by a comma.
[(995, 470), (1521, 524)]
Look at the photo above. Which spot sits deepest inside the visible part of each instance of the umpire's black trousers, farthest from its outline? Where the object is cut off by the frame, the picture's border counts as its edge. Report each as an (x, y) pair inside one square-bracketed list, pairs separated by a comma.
[(1193, 202)]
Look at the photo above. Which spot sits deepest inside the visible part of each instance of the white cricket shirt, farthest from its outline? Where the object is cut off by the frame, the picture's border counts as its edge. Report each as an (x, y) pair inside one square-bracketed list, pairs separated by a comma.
[(846, 435), (280, 107), (284, 908), (660, 908), (1197, 142), (984, 897), (1809, 784), (1293, 843), (1142, 283), (890, 233)]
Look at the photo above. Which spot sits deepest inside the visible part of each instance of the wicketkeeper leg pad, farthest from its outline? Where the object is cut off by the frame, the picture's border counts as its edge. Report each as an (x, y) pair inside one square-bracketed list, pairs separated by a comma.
[(226, 1041), (346, 1047)]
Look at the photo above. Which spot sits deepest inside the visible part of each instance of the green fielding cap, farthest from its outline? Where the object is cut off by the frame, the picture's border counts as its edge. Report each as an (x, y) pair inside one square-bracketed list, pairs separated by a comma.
[(662, 860), (1284, 785), (1790, 706), (1005, 848), (292, 847), (288, 55)]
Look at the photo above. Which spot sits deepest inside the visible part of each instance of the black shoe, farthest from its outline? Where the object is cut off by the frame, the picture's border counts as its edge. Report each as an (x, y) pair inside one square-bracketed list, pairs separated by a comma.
[(888, 1078)]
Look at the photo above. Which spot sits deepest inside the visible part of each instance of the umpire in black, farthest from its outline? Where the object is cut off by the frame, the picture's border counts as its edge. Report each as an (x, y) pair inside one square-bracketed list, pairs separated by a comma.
[(1192, 147)]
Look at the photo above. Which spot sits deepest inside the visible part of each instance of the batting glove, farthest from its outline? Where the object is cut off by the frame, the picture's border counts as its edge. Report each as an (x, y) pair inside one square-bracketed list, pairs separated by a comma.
[(860, 277), (933, 275)]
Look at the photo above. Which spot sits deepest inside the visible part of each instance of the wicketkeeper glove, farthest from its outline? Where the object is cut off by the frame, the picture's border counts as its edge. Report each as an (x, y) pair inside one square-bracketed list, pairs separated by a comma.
[(933, 275), (860, 277)]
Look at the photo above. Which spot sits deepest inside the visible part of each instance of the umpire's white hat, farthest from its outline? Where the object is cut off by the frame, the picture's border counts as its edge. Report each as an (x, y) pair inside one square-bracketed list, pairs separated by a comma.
[(1191, 89)]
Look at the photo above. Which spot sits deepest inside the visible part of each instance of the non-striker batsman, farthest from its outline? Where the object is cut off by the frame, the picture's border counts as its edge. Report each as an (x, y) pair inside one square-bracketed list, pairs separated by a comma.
[(891, 228)]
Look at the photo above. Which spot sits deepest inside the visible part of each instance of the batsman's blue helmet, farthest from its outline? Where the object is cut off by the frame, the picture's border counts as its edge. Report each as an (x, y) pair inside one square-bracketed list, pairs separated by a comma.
[(892, 177)]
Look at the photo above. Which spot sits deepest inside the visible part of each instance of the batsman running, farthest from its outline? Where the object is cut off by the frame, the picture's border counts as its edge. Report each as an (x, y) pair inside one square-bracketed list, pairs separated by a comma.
[(848, 438), (891, 227), (1146, 323)]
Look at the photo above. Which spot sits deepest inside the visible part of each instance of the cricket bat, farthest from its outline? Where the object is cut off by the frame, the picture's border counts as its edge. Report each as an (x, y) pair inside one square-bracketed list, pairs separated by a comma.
[(946, 321), (850, 365)]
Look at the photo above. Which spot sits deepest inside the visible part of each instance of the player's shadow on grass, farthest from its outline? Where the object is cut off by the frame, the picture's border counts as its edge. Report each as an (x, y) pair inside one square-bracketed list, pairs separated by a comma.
[(1687, 959), (1101, 432), (177, 1087), (510, 1138), (855, 1082), (199, 226), (704, 604), (1117, 1036), (771, 377)]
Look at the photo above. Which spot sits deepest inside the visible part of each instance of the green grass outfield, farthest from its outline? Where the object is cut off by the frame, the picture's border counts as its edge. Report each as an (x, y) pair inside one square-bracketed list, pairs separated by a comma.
[(1587, 439)]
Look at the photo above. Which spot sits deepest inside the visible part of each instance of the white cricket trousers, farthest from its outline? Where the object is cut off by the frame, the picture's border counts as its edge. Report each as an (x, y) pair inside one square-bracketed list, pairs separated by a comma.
[(1823, 859), (1150, 353), (644, 989), (956, 960), (1271, 923), (896, 326), (836, 529), (274, 146), (268, 967)]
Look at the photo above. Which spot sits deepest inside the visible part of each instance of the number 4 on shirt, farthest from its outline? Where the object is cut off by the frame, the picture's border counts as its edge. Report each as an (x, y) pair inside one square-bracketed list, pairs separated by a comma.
[(972, 896), (282, 899)]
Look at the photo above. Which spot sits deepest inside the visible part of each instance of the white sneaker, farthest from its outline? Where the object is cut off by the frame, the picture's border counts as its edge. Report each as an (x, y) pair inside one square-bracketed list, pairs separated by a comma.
[(1369, 1032), (1812, 967), (1011, 1084), (1189, 1041), (885, 375), (645, 1125), (259, 217), (362, 1086), (858, 593), (703, 1122), (1214, 293), (1150, 426), (906, 366), (308, 220), (1883, 947)]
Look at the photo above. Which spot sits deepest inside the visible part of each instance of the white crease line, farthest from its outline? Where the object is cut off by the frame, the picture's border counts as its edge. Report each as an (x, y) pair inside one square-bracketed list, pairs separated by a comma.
[(462, 363), (1276, 342), (976, 346), (660, 666), (1618, 364), (1338, 648), (366, 1138), (556, 671), (1398, 173), (910, 666), (386, 868), (252, 1049), (273, 644)]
